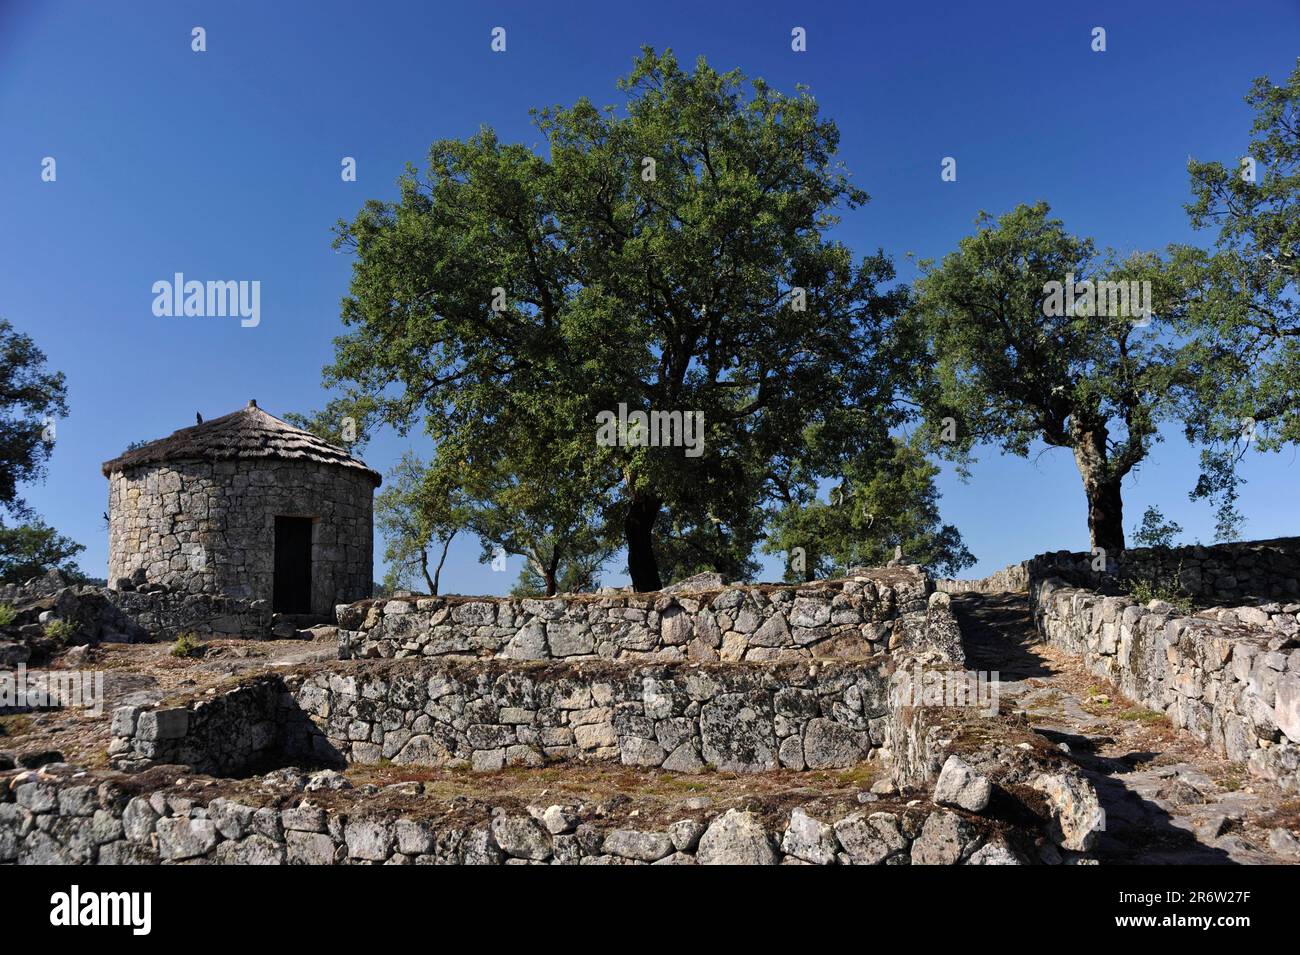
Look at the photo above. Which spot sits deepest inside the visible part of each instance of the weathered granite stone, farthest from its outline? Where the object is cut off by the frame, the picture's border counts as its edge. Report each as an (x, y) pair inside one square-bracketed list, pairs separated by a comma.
[(945, 839), (807, 839), (961, 786), (182, 838), (828, 745), (1077, 815), (635, 844), (736, 838), (872, 839), (521, 837)]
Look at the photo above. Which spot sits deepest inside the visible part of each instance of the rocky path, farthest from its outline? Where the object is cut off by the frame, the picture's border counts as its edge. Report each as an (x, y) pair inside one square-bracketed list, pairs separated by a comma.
[(1168, 799)]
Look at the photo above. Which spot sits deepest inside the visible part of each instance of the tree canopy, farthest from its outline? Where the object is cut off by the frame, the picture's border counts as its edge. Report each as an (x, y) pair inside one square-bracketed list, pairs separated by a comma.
[(1243, 297), (1016, 361), (31, 396), (881, 504), (30, 549), (667, 256)]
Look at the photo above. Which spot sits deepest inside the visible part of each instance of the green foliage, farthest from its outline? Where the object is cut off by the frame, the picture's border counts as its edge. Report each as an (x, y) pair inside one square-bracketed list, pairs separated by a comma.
[(1010, 369), (575, 577), (344, 422), (1243, 303), (1145, 590), (546, 510), (60, 630), (1155, 531), (670, 293), (881, 503), (29, 394), (1158, 534), (1243, 300), (187, 645), (31, 549), (417, 513), (7, 614)]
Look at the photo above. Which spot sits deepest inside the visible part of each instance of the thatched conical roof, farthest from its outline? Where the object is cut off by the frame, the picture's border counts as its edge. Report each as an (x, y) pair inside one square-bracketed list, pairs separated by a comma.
[(245, 434)]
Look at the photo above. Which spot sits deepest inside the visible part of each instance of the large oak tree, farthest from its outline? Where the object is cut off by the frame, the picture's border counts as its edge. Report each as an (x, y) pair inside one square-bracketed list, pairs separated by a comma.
[(1012, 368), (671, 255)]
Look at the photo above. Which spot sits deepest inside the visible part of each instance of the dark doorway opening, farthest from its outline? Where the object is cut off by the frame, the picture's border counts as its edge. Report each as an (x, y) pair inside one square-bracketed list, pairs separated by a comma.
[(291, 592)]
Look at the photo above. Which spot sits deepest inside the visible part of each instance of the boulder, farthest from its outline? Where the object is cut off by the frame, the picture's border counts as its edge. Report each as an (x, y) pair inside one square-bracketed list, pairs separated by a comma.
[(870, 840), (807, 839), (639, 845), (736, 838), (945, 839), (961, 786), (1076, 813), (521, 837)]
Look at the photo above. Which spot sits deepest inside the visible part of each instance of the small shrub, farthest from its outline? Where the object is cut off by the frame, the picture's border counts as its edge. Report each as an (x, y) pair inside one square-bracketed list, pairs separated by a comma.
[(1156, 532), (60, 630), (186, 645), (1145, 591), (7, 614)]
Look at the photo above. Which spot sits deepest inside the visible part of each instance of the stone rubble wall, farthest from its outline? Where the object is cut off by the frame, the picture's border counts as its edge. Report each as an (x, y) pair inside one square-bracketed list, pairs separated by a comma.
[(856, 618), (1010, 579), (167, 614), (1232, 685), (1267, 570), (1239, 572), (252, 725), (101, 615), (486, 715), (47, 821)]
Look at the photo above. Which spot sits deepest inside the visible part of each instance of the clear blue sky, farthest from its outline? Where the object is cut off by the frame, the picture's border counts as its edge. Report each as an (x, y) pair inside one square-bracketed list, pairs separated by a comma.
[(225, 165)]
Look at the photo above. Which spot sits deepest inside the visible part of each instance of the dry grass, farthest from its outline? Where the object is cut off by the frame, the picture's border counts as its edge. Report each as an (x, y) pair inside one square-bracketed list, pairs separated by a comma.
[(14, 725)]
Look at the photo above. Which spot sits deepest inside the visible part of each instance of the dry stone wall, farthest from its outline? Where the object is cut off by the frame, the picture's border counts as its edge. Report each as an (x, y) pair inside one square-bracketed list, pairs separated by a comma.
[(1231, 683), (46, 821), (485, 716), (1011, 579), (857, 617), (250, 726), (100, 615), (1267, 570), (686, 716), (1240, 572)]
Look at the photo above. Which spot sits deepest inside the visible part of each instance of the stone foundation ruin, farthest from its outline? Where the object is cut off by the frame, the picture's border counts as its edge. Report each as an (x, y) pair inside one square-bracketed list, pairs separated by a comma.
[(794, 691)]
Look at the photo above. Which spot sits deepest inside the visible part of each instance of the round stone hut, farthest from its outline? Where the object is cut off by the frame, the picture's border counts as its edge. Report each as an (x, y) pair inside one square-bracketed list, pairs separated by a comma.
[(247, 506)]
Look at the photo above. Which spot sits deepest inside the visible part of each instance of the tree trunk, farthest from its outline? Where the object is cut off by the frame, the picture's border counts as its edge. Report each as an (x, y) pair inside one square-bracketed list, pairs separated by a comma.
[(1106, 517), (424, 569), (637, 527), (1102, 488), (437, 574), (548, 575)]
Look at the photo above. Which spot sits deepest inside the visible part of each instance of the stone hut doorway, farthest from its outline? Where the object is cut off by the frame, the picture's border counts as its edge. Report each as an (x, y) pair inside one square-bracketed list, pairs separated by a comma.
[(291, 589)]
